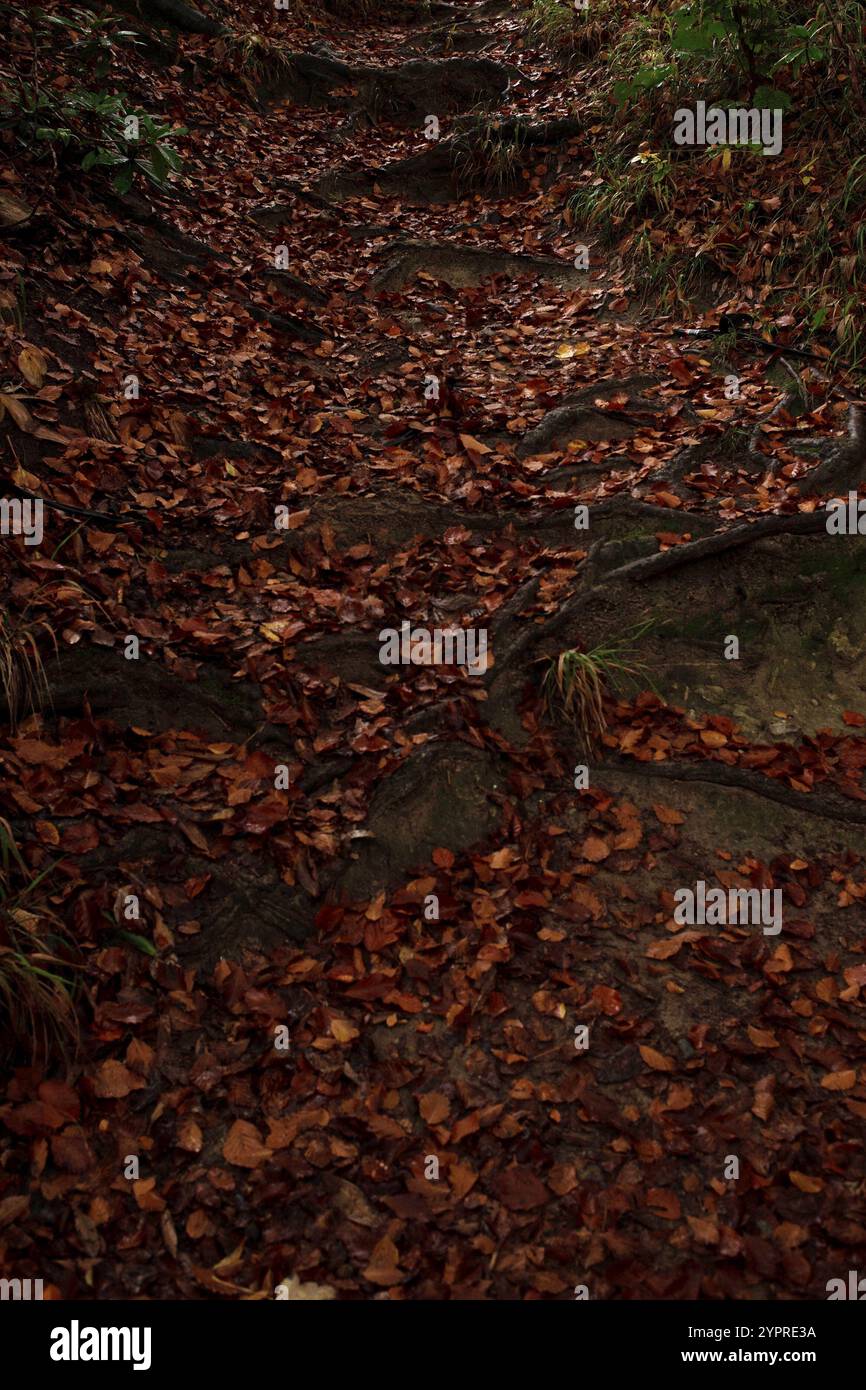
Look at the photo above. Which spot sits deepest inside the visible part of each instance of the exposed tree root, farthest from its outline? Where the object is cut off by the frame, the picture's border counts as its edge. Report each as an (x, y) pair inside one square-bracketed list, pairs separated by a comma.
[(178, 14), (823, 802), (801, 523)]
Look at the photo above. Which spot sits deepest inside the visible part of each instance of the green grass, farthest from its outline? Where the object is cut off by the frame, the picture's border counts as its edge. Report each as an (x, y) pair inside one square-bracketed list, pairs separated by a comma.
[(486, 157), (576, 681), (623, 190), (22, 675), (569, 32), (37, 964)]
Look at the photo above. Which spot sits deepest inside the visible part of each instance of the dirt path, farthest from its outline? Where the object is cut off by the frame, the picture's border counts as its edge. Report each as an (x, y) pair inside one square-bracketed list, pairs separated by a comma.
[(509, 1071)]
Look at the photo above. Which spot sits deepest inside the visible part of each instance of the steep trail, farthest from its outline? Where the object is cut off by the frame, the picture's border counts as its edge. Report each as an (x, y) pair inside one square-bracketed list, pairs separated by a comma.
[(431, 902)]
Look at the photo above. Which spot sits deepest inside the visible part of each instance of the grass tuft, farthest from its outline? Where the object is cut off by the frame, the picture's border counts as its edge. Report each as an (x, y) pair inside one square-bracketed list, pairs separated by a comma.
[(576, 683), (37, 965)]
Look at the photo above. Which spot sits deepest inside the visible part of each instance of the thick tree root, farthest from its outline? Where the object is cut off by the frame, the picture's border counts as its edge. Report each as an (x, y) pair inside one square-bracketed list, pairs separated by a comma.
[(801, 523), (825, 802), (181, 16)]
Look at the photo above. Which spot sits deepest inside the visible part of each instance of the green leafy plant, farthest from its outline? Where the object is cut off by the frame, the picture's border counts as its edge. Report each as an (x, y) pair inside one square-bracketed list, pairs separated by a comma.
[(94, 36), (94, 129), (85, 125), (740, 47)]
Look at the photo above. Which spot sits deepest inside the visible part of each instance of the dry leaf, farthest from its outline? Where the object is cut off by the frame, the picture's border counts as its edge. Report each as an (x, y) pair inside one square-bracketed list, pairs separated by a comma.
[(32, 364), (657, 1060)]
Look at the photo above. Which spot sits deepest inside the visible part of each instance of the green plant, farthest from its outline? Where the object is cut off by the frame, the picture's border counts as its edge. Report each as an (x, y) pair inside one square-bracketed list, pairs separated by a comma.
[(95, 129), (37, 963), (94, 36), (486, 155), (575, 682), (568, 29), (22, 675), (624, 190), (552, 20), (754, 47)]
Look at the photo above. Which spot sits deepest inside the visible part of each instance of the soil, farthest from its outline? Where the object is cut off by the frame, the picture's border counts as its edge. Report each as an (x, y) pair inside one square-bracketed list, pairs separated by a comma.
[(553, 904)]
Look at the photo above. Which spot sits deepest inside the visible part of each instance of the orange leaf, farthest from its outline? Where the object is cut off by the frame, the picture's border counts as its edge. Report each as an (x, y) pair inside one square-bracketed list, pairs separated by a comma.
[(434, 1107), (805, 1183), (474, 444), (839, 1080), (712, 738), (657, 1060), (243, 1146)]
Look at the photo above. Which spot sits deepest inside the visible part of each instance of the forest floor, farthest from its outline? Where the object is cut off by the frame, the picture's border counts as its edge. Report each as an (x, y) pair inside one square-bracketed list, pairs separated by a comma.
[(341, 1040)]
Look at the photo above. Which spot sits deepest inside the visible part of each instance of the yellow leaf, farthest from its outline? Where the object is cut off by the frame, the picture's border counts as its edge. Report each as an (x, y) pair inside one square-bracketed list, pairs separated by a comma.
[(567, 350), (21, 478), (804, 1182), (32, 365)]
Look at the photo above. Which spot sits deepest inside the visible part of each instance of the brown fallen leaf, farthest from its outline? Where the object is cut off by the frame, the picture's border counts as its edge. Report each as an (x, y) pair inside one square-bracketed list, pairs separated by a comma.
[(434, 1107), (32, 364), (839, 1080), (657, 1060), (113, 1081), (244, 1147), (24, 420), (351, 1201), (520, 1189), (805, 1183), (189, 1135)]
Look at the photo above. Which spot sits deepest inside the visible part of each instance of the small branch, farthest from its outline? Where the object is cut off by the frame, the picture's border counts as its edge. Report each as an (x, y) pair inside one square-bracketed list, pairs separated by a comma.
[(104, 518)]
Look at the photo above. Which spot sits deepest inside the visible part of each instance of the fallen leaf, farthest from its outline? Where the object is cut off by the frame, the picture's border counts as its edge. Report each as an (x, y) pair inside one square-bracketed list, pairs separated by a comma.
[(244, 1147), (657, 1060)]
